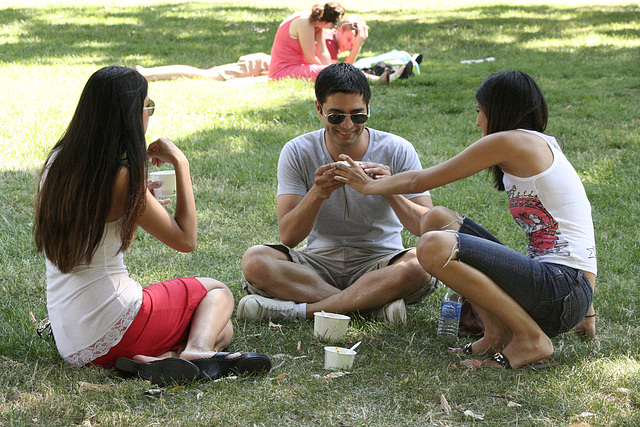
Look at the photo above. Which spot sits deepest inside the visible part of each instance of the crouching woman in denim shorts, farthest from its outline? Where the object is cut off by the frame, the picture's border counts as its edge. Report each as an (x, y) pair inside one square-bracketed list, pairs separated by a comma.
[(523, 300)]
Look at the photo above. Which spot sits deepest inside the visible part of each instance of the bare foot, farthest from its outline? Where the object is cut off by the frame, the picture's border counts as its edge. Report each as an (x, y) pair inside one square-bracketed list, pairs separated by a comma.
[(587, 328), (146, 359), (522, 351), (484, 345), (384, 77), (398, 73), (192, 355)]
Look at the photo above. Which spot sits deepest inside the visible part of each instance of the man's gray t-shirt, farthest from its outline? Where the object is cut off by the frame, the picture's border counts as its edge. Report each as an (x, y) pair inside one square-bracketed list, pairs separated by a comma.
[(367, 222)]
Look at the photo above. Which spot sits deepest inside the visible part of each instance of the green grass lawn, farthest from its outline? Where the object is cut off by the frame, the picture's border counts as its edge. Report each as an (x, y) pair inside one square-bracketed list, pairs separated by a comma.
[(585, 57)]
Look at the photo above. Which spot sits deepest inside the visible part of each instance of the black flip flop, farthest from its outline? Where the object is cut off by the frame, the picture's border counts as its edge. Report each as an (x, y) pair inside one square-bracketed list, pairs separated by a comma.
[(467, 348), (501, 360), (245, 364), (171, 370)]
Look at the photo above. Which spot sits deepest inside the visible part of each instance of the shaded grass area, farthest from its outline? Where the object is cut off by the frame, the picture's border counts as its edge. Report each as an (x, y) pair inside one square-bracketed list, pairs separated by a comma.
[(583, 56)]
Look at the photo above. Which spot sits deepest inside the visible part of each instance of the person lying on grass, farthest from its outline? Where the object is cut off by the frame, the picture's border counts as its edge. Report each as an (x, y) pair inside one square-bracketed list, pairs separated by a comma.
[(348, 36), (91, 200), (523, 300)]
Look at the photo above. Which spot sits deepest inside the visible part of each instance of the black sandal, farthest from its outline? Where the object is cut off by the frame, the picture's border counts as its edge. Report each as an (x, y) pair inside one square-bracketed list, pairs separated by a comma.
[(171, 370), (467, 348), (501, 360), (219, 365)]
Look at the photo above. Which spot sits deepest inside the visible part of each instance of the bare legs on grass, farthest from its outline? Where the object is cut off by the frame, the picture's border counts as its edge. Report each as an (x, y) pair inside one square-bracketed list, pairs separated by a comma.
[(168, 72), (211, 328), (508, 327), (272, 271)]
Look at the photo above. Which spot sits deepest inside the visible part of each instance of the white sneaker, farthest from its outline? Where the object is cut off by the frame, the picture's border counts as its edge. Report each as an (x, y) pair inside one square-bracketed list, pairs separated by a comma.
[(393, 312), (256, 307)]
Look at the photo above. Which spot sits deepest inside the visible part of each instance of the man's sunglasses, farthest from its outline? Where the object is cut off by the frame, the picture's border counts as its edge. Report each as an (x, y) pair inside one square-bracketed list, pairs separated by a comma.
[(336, 119), (151, 106)]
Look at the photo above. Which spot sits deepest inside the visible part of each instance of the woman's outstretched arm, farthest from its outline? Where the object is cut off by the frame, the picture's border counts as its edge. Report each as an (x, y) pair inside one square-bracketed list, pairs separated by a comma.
[(513, 151)]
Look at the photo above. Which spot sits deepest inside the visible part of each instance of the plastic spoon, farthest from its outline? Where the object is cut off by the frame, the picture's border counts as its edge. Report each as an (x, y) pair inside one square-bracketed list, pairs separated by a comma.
[(355, 346)]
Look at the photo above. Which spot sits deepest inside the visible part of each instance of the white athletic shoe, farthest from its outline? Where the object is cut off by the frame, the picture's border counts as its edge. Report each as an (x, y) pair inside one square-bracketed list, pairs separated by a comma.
[(256, 307), (393, 312)]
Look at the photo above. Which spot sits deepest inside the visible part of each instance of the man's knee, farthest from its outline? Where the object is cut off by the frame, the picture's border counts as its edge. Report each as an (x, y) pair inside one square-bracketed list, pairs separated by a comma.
[(440, 218), (253, 261), (409, 269), (257, 261)]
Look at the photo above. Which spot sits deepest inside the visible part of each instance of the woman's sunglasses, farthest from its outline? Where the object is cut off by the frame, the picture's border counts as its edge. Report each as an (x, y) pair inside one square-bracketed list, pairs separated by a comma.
[(151, 106), (336, 119)]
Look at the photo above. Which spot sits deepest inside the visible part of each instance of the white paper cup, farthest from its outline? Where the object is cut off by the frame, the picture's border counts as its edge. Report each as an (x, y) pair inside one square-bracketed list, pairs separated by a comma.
[(338, 358), (168, 179), (330, 327)]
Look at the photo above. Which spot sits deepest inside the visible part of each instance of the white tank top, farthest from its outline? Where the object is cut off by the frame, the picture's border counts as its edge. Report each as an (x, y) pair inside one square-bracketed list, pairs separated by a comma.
[(554, 212), (91, 308)]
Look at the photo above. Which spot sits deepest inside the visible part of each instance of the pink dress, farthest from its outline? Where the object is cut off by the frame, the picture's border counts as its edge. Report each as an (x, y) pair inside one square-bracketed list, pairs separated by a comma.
[(287, 58)]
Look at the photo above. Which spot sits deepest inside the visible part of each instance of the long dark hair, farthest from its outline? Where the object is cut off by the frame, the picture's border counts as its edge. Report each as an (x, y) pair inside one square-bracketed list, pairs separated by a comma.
[(74, 199), (511, 100)]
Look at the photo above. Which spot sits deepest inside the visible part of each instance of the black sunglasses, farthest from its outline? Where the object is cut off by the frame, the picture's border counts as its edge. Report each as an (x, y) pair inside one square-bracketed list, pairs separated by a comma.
[(151, 106), (336, 119)]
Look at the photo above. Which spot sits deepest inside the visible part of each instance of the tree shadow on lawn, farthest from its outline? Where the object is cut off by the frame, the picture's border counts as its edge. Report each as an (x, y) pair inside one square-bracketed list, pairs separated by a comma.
[(203, 34), (197, 34)]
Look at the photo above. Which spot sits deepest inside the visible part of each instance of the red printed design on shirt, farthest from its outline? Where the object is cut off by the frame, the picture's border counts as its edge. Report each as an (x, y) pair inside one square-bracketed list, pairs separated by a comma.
[(539, 226)]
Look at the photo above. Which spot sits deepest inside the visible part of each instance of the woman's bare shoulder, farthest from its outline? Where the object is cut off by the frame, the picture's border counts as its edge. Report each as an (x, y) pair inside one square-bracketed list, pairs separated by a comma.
[(120, 194)]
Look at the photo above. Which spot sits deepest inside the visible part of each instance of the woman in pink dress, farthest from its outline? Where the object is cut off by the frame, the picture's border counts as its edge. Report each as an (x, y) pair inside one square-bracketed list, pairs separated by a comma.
[(300, 45)]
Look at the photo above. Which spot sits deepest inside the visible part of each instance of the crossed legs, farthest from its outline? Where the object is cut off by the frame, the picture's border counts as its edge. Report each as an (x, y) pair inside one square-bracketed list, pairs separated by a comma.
[(211, 329), (272, 271)]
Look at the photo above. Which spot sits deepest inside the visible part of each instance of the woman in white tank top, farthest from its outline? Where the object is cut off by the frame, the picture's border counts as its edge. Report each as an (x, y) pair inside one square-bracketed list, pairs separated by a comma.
[(523, 300), (91, 200)]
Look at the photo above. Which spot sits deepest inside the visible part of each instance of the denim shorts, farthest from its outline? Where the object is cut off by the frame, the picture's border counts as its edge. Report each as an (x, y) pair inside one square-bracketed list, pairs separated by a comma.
[(556, 296)]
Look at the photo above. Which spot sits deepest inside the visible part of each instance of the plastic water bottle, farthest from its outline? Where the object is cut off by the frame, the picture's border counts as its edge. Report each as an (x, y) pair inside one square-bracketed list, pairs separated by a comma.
[(450, 317)]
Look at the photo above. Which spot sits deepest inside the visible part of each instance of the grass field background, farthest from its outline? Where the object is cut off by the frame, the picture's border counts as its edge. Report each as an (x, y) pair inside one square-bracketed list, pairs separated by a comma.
[(584, 56)]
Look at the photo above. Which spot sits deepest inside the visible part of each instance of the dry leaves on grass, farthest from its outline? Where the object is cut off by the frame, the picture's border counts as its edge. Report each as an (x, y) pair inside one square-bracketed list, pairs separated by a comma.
[(275, 326), (85, 386), (471, 363), (331, 376), (471, 414), (361, 335), (285, 357), (444, 404), (582, 415)]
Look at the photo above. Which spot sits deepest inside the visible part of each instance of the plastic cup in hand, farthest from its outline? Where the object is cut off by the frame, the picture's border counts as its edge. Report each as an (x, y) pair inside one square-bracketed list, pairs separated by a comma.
[(168, 180), (330, 327)]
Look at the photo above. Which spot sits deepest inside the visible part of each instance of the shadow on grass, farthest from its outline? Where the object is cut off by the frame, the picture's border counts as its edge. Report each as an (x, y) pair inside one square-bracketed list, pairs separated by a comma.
[(201, 34)]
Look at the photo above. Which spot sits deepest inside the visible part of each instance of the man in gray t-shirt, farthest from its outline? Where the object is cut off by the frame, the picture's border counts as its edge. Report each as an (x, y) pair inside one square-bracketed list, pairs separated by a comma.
[(354, 259)]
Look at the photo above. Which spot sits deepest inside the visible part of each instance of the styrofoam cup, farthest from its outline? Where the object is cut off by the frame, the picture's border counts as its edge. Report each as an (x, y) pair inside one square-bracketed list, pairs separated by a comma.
[(330, 327), (168, 179), (338, 358)]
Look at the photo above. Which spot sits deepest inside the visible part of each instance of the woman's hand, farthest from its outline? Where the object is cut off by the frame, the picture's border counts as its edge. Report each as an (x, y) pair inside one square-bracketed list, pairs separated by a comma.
[(152, 185), (162, 150), (363, 33), (353, 175), (376, 170)]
